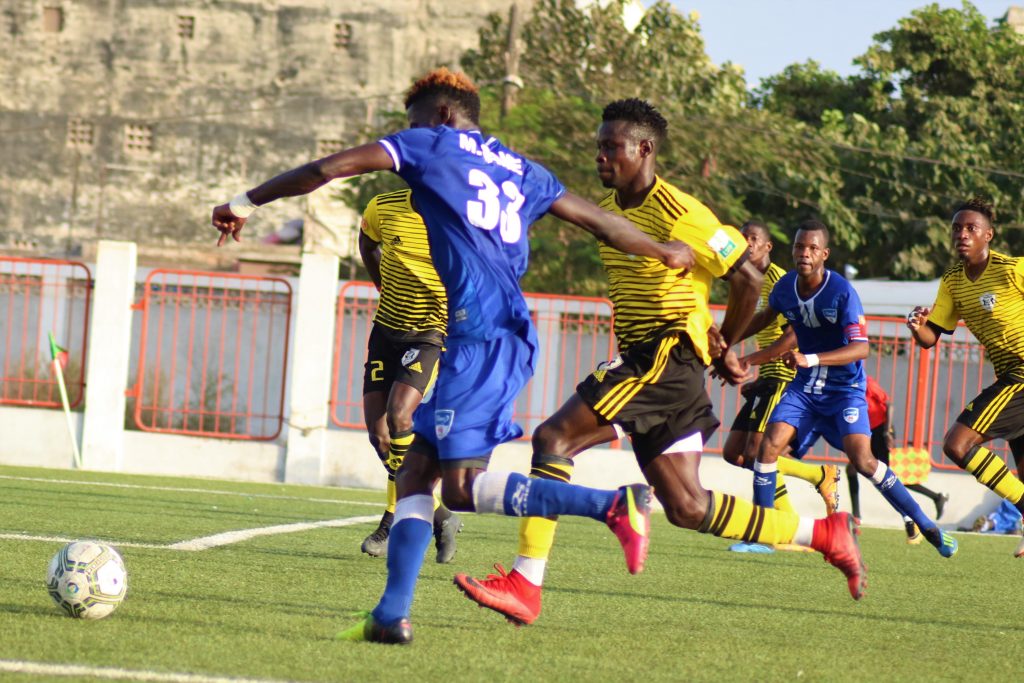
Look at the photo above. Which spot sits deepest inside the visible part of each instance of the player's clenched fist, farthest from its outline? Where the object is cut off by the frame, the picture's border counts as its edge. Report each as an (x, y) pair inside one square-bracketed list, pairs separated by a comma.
[(227, 223), (677, 254), (918, 317)]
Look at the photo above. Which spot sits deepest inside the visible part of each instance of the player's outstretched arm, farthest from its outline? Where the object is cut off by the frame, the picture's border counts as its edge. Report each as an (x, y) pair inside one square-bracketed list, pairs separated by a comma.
[(850, 353), (758, 322), (619, 232), (744, 291), (787, 342), (230, 218), (917, 322)]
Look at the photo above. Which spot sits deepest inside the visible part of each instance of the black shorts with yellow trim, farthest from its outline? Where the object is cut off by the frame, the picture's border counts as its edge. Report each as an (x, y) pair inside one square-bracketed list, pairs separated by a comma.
[(998, 411), (762, 395), (655, 391), (407, 357)]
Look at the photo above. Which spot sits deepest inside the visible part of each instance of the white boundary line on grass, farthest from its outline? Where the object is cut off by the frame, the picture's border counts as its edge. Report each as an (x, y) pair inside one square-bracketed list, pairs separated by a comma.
[(216, 492), (51, 669), (216, 540)]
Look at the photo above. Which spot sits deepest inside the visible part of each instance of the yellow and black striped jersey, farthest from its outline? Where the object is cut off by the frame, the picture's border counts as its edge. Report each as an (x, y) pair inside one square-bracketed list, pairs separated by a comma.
[(775, 369), (412, 298), (992, 307), (650, 299)]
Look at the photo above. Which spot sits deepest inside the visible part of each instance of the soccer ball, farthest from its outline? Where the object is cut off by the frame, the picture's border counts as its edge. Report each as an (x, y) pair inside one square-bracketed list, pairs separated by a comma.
[(87, 580)]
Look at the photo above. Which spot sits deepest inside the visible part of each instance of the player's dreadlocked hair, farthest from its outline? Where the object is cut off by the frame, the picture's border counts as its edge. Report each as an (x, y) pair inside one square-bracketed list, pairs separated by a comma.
[(448, 86), (642, 114), (814, 225), (981, 205)]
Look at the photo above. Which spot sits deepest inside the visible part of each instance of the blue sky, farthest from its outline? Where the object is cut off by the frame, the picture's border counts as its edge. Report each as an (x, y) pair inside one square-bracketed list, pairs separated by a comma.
[(764, 36)]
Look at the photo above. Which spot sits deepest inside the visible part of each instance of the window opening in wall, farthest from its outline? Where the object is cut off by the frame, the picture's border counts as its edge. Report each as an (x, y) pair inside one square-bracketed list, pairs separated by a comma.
[(186, 27), (342, 35), (53, 19), (81, 133), (138, 139)]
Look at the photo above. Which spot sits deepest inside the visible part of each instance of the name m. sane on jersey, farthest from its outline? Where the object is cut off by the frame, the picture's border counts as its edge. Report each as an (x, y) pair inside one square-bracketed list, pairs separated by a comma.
[(501, 158)]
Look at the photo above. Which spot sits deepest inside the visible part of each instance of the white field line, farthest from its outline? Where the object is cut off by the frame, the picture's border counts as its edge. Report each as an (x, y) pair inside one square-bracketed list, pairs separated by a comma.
[(229, 537), (50, 669), (189, 490), (207, 542)]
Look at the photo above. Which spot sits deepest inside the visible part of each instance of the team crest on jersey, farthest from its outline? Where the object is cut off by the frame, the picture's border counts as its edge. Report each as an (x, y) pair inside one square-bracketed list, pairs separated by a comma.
[(790, 315), (409, 357), (443, 420), (722, 244), (830, 314), (988, 301), (604, 366), (851, 415)]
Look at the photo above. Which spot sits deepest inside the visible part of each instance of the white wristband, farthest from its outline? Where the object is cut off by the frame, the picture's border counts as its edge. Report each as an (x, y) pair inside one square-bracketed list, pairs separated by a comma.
[(242, 206), (812, 359)]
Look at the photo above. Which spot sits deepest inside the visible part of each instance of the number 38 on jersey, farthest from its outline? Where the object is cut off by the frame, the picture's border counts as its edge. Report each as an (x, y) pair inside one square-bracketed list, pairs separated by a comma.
[(495, 207)]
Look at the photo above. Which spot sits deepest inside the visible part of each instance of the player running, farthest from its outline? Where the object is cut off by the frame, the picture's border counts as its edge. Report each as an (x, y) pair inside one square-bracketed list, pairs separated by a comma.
[(827, 394), (985, 290), (654, 390), (763, 394), (405, 344), (477, 199)]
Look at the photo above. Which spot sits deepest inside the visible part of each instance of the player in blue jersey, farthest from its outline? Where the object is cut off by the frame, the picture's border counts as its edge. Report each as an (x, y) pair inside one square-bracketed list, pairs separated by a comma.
[(477, 199), (827, 395)]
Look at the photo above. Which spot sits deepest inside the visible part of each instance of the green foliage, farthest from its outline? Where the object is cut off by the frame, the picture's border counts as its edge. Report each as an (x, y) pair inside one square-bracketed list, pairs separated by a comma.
[(883, 157)]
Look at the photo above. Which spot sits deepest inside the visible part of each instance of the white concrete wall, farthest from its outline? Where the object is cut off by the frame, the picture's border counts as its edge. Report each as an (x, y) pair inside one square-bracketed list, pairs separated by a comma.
[(39, 440)]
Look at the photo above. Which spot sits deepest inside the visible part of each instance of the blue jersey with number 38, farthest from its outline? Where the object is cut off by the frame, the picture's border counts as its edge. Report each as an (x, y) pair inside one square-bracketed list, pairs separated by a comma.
[(477, 198)]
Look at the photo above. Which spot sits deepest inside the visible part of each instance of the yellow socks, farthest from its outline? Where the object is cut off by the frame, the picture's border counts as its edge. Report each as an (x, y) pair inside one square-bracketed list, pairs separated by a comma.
[(782, 496), (736, 518), (990, 470), (791, 467)]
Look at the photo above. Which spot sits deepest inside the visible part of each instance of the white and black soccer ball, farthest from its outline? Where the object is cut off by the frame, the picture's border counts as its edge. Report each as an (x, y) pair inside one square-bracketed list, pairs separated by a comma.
[(87, 580)]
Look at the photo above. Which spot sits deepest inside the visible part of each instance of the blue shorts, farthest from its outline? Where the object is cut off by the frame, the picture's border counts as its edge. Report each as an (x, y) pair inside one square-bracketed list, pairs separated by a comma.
[(832, 416), (470, 410)]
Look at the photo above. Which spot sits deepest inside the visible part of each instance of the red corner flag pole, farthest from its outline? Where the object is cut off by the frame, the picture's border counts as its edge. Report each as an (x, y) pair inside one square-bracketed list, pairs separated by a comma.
[(59, 357)]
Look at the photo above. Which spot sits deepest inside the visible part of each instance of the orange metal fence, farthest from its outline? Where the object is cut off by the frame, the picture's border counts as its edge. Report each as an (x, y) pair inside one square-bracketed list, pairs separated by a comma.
[(928, 388), (575, 335), (212, 357), (39, 297)]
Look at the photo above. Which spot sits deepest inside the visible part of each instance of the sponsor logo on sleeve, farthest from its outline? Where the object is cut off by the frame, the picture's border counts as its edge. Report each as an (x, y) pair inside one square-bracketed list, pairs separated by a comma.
[(722, 244)]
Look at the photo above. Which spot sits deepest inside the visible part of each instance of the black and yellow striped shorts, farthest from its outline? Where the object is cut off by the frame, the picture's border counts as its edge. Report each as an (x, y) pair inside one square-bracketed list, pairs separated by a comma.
[(655, 391), (998, 411), (761, 397)]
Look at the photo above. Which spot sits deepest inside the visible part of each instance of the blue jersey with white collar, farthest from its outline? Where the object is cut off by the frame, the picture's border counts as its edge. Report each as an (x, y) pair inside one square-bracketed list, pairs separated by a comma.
[(829, 319), (478, 199)]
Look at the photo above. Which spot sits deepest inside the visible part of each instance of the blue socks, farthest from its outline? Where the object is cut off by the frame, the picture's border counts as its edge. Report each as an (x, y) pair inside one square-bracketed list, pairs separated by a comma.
[(408, 541), (527, 497), (517, 495), (896, 494), (765, 479)]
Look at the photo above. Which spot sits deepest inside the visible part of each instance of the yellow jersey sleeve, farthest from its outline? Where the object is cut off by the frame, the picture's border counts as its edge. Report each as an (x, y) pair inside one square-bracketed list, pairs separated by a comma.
[(371, 221), (1018, 274), (716, 247), (944, 313)]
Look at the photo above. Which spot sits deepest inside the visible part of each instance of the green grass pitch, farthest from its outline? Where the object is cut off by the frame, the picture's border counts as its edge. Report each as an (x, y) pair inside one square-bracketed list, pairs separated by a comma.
[(268, 607)]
